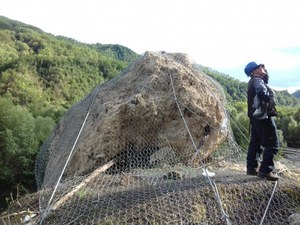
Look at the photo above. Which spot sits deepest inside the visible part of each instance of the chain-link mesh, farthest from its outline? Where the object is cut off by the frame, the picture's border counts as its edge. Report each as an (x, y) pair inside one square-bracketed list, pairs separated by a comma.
[(153, 180)]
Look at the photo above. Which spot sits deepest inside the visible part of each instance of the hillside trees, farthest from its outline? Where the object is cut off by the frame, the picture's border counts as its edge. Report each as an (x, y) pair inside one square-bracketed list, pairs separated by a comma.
[(117, 52), (234, 89), (20, 136), (41, 76), (239, 123), (289, 122), (63, 71), (296, 94)]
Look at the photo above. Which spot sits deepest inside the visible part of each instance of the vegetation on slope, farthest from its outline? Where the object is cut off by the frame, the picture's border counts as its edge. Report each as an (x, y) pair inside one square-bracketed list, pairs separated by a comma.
[(41, 76), (296, 94)]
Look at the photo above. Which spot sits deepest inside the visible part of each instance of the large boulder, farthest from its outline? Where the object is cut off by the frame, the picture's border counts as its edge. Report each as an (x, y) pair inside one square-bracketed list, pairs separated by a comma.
[(138, 111)]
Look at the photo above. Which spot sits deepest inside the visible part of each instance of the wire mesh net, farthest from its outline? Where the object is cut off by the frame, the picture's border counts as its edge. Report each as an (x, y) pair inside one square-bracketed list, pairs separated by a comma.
[(151, 179)]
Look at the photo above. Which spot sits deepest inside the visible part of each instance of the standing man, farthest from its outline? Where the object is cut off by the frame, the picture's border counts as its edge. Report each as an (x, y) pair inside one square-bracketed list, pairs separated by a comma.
[(263, 128)]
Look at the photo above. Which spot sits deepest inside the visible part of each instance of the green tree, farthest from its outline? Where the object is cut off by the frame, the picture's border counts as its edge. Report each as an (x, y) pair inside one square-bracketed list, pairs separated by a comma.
[(43, 127), (18, 143), (240, 123), (287, 121), (282, 144), (293, 134), (296, 94), (297, 115)]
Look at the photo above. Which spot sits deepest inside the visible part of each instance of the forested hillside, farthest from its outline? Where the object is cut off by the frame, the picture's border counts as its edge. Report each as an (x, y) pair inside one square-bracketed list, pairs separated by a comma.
[(296, 94), (41, 76), (116, 51)]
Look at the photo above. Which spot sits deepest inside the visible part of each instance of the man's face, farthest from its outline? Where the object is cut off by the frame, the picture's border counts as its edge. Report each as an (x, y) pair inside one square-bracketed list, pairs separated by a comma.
[(260, 70)]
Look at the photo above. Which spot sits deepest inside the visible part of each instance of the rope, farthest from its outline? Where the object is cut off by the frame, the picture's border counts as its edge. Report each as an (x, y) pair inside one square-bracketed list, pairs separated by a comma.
[(44, 214), (225, 215), (185, 124), (213, 185), (269, 203)]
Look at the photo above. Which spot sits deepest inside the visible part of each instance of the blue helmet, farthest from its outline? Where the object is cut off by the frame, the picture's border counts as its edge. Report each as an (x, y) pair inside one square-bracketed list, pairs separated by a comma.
[(250, 67)]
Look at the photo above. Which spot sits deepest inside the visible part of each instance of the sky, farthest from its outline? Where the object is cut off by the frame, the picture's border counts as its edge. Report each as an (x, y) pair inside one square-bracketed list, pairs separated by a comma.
[(223, 35)]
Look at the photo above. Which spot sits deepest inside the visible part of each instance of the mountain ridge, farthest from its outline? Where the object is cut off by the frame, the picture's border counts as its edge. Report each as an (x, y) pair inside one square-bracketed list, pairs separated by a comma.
[(296, 94)]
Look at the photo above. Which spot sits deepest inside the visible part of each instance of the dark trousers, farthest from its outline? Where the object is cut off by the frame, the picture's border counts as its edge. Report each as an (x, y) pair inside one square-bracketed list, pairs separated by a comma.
[(263, 134)]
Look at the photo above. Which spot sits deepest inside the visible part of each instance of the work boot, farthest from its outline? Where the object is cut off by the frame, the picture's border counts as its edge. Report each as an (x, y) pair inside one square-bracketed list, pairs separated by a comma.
[(269, 176)]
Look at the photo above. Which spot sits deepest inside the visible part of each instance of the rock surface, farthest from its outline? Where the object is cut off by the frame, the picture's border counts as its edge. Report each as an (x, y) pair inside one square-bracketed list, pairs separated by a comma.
[(137, 111)]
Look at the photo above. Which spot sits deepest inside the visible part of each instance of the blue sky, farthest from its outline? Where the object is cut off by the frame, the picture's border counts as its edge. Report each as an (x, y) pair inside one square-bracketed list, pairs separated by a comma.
[(224, 35)]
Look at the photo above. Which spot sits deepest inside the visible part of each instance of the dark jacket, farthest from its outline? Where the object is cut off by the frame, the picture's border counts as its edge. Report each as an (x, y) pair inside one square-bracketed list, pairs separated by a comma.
[(256, 85)]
